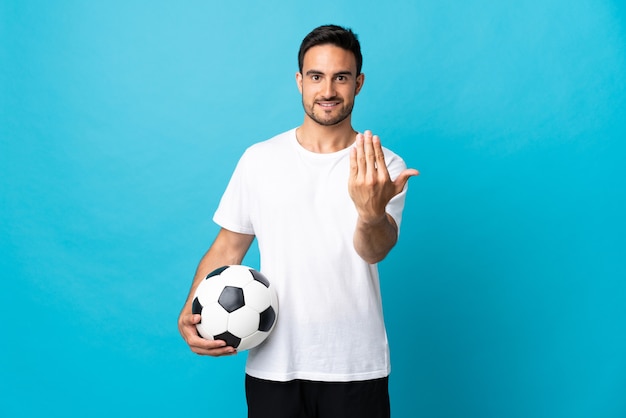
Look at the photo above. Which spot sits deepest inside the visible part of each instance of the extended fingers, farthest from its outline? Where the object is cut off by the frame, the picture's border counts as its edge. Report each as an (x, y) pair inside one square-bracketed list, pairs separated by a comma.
[(381, 166), (368, 149), (368, 154), (355, 156)]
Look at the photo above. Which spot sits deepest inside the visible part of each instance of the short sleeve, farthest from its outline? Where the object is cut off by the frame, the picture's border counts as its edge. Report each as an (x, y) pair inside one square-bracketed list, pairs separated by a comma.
[(233, 211), (395, 207)]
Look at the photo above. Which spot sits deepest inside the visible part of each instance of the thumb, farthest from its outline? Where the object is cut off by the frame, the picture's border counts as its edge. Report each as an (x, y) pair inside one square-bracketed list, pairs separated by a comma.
[(401, 180)]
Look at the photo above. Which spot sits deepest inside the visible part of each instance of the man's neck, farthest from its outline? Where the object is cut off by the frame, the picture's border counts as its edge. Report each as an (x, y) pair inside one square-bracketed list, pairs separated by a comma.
[(325, 139)]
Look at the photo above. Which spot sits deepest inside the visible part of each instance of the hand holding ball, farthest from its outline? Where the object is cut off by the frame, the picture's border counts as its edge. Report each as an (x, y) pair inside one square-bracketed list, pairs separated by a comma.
[(237, 305)]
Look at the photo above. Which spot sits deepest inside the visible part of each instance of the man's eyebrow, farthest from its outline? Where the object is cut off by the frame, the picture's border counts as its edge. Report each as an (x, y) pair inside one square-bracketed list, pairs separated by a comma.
[(318, 72)]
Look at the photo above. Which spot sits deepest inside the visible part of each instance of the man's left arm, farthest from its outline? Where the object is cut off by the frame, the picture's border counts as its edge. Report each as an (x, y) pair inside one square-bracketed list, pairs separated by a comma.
[(371, 189)]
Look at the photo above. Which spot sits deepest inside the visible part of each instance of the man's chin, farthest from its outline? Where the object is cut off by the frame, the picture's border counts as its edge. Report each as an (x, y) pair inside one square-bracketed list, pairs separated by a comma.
[(334, 121)]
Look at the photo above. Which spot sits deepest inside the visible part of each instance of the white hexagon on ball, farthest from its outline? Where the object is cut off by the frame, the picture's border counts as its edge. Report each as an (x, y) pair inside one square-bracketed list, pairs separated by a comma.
[(217, 324), (243, 322), (256, 295)]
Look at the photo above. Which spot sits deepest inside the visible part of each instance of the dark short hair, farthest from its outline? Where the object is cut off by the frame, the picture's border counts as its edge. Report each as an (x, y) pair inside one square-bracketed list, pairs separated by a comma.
[(334, 35)]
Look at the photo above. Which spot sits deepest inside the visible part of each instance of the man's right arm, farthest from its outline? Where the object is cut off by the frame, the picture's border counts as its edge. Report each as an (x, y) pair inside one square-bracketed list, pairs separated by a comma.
[(228, 248)]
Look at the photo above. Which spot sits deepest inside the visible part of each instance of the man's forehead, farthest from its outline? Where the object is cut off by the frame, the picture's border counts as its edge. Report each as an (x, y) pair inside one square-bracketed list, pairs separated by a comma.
[(328, 58)]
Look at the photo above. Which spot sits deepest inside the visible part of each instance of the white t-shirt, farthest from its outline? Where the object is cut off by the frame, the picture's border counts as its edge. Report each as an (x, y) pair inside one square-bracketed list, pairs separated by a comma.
[(330, 323)]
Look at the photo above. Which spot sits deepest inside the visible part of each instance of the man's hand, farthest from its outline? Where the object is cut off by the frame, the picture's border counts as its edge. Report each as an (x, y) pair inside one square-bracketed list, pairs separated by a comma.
[(187, 327), (369, 185)]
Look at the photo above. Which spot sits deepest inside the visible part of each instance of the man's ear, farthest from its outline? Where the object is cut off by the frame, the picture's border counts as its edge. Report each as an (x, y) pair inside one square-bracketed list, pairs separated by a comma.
[(360, 79), (299, 81)]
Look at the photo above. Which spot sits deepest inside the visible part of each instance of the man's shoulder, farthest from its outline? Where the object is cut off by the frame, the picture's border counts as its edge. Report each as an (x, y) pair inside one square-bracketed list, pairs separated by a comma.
[(390, 154), (395, 163), (278, 141), (269, 151)]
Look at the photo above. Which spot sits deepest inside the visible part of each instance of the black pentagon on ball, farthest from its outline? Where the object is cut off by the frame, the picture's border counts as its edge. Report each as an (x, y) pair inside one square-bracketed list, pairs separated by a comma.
[(229, 338), (231, 298), (260, 277), (216, 272), (267, 319), (196, 307)]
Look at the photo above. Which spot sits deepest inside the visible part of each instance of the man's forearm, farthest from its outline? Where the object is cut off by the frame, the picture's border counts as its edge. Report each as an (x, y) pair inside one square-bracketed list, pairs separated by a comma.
[(374, 241)]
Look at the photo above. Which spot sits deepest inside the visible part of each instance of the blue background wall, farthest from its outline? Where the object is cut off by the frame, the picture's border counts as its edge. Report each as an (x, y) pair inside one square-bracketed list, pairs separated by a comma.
[(120, 123)]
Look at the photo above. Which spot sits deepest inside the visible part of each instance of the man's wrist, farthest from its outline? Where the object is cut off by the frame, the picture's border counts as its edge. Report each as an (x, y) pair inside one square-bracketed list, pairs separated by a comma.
[(372, 221)]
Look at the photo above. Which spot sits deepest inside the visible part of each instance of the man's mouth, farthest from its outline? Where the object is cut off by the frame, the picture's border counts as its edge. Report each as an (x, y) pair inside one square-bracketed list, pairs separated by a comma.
[(327, 105)]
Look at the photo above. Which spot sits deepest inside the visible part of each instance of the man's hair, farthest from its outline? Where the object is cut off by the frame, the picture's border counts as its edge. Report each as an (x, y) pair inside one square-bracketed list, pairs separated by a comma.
[(334, 35)]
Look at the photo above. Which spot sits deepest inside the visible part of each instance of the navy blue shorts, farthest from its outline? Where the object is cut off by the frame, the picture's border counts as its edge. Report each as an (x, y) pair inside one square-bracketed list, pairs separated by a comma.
[(308, 399)]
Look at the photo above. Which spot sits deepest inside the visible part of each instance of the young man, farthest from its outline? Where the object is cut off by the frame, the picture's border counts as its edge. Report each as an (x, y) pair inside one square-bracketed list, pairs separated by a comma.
[(324, 203)]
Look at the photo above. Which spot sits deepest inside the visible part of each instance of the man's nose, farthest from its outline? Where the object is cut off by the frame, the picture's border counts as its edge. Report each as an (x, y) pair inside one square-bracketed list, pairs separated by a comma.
[(329, 89)]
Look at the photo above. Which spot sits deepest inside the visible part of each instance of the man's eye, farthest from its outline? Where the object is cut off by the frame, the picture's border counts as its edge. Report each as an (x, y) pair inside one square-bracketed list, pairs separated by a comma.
[(341, 78), (315, 77)]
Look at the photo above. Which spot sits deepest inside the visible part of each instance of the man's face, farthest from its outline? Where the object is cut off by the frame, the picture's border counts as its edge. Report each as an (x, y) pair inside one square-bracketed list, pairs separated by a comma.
[(328, 83)]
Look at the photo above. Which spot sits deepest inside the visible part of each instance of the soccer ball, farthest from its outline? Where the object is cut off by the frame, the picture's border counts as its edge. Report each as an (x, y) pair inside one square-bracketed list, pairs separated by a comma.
[(238, 305)]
